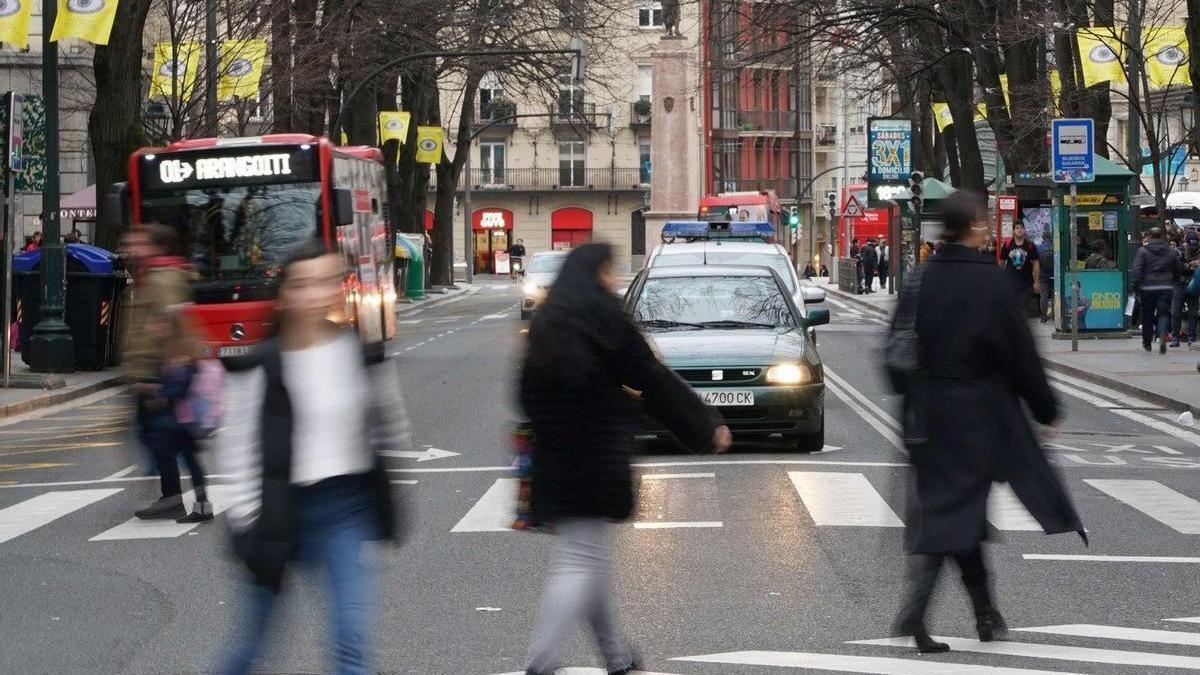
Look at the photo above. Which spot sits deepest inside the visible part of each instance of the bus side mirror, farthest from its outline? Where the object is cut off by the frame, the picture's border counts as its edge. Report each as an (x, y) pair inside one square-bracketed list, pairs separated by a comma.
[(343, 206), (116, 203)]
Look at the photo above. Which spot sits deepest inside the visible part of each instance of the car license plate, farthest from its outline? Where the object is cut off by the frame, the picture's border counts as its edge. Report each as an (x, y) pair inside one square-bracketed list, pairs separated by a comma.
[(728, 397), (234, 350)]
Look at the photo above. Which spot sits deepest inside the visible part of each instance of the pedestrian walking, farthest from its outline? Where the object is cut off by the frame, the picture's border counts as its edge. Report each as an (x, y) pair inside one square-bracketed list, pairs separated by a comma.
[(303, 445), (161, 285), (1156, 268), (885, 263), (1019, 256), (1046, 277), (1183, 305), (856, 257), (870, 262), (584, 355), (963, 417)]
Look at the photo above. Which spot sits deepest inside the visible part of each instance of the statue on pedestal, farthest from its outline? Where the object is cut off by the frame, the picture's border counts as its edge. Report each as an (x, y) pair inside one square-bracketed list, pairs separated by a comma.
[(670, 14)]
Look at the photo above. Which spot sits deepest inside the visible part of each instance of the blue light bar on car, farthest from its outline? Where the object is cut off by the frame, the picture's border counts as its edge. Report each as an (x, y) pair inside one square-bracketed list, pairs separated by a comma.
[(691, 230)]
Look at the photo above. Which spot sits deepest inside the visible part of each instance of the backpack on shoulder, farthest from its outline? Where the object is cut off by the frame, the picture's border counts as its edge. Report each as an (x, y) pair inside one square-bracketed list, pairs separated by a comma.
[(200, 410)]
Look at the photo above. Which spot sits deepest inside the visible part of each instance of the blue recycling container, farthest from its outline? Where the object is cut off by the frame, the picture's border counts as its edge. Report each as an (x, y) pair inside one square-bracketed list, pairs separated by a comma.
[(95, 288)]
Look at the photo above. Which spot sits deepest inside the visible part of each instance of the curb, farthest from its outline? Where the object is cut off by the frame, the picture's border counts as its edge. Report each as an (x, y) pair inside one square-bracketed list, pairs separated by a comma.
[(54, 398), (1078, 373), (440, 298)]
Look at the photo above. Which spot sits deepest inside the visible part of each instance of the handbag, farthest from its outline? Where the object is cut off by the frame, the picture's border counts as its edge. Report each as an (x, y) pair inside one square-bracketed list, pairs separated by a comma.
[(902, 361)]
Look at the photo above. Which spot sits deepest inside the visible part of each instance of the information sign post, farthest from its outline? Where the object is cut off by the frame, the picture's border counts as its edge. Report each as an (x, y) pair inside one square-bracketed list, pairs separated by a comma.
[(1071, 159)]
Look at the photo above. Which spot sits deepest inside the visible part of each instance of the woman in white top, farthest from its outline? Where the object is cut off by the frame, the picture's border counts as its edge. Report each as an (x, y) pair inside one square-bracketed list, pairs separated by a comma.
[(307, 421)]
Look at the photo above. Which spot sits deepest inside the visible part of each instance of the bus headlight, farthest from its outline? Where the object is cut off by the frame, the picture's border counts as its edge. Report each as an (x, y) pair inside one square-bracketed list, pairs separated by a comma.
[(788, 373)]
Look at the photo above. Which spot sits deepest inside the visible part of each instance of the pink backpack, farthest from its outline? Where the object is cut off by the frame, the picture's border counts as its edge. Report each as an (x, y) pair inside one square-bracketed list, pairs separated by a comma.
[(200, 409)]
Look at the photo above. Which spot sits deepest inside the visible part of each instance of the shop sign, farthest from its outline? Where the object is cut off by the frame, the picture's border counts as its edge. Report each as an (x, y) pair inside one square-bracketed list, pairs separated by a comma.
[(1093, 200), (493, 220)]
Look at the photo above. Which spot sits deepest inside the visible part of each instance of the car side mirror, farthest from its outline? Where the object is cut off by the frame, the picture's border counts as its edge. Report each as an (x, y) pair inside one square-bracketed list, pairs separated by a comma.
[(343, 206), (817, 317)]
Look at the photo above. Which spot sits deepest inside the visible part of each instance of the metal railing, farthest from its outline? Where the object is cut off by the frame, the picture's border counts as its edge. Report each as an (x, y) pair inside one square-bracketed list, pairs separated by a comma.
[(539, 180), (767, 120), (580, 117)]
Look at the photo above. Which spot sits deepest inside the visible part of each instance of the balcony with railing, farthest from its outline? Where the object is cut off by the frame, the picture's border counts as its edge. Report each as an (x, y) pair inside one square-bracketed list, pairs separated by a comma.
[(614, 179), (497, 114), (580, 118), (771, 121), (784, 188), (639, 114)]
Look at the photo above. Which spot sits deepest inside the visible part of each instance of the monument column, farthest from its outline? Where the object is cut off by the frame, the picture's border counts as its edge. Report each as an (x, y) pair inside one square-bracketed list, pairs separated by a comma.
[(675, 137)]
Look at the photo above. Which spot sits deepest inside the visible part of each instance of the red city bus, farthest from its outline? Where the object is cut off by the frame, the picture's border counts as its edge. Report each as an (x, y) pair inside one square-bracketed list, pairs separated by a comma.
[(240, 204), (872, 222), (755, 207)]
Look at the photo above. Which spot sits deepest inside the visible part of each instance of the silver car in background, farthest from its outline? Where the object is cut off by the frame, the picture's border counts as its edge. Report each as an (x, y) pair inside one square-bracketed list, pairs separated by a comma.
[(540, 272)]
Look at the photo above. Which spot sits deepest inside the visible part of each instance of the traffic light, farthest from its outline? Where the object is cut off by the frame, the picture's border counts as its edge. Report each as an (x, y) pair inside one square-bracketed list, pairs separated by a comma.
[(794, 218), (831, 199), (915, 189)]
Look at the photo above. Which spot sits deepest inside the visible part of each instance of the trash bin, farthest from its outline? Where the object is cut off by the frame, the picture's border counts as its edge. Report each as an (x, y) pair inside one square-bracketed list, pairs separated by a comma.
[(95, 288), (414, 272)]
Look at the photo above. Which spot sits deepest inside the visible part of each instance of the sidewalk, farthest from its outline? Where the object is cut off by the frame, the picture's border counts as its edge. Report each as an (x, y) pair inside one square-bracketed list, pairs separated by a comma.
[(43, 391), (1119, 364)]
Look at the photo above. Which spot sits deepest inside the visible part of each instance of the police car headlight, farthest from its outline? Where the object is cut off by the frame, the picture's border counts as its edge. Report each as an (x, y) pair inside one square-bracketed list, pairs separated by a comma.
[(787, 373)]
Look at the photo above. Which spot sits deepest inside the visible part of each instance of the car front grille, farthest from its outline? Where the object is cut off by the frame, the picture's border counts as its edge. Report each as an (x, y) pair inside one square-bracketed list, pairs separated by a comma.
[(725, 374)]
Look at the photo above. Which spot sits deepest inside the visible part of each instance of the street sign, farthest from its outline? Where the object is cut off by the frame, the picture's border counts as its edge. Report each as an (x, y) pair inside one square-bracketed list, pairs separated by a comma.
[(1141, 200), (853, 208), (1071, 150)]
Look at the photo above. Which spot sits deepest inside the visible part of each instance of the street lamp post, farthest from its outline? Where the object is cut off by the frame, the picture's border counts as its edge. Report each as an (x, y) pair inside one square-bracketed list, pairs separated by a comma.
[(51, 349)]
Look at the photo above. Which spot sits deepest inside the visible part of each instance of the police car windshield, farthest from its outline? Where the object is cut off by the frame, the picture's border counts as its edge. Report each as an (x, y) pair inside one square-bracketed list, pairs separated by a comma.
[(777, 262)]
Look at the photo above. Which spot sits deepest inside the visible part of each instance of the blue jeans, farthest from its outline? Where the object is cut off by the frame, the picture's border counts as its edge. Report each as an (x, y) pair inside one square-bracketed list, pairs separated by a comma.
[(335, 520)]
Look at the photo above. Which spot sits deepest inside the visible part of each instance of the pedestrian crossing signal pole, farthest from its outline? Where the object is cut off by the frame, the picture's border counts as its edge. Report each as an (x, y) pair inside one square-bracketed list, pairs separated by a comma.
[(1074, 271)]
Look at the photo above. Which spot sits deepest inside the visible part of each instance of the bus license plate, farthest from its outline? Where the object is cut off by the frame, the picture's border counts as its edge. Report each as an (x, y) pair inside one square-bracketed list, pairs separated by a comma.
[(234, 350), (728, 397)]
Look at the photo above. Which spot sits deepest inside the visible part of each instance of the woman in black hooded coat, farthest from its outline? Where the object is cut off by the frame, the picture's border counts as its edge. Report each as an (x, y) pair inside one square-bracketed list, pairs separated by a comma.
[(585, 364)]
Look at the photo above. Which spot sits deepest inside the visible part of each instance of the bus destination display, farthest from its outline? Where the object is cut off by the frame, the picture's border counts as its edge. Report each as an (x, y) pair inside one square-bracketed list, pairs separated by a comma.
[(240, 166)]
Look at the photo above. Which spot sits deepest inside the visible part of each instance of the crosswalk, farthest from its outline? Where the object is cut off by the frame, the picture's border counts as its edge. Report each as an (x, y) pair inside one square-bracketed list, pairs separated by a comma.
[(687, 501), (852, 500), (1149, 650)]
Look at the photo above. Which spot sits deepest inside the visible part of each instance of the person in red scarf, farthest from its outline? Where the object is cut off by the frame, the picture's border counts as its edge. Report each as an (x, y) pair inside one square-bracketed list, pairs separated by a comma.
[(161, 282)]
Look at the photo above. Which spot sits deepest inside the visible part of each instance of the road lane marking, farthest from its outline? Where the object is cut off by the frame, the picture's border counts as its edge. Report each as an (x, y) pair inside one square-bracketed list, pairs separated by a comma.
[(123, 472), (843, 500), (668, 525), (1163, 637), (1187, 619), (491, 317), (1177, 511), (845, 663), (583, 671), (495, 510), (1007, 513), (1072, 387), (1054, 652), (136, 528), (870, 419), (46, 508), (69, 406), (1111, 558), (666, 476)]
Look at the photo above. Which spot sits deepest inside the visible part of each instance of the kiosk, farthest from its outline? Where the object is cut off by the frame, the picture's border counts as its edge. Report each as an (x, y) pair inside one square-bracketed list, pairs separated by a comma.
[(1103, 231)]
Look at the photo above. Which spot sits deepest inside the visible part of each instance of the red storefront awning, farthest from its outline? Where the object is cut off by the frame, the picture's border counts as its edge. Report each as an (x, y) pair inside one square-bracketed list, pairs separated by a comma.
[(571, 218)]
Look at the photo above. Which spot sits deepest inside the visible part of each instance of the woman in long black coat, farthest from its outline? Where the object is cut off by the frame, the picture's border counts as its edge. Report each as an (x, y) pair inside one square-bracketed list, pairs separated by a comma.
[(584, 358), (979, 363)]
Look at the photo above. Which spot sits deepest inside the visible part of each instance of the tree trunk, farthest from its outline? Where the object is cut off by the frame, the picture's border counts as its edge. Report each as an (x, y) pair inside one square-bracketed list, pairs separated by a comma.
[(282, 70), (448, 173), (115, 123), (1028, 102), (959, 85), (1099, 96), (1193, 37), (1064, 58)]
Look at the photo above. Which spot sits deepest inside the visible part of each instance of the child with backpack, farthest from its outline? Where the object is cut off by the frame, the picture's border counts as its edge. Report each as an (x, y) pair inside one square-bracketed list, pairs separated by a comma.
[(180, 414)]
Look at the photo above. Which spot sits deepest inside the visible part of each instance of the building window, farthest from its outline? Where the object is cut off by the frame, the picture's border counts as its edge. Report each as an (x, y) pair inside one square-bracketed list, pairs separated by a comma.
[(644, 167), (489, 90), (491, 164), (650, 15), (570, 96), (571, 164), (645, 80)]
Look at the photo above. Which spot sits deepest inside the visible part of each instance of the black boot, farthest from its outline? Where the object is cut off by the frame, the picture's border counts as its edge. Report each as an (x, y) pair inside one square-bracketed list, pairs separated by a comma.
[(926, 644), (201, 513), (988, 622), (166, 508)]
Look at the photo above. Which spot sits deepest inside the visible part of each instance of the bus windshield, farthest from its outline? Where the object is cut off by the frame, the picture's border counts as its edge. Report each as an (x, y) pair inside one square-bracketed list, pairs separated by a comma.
[(242, 232)]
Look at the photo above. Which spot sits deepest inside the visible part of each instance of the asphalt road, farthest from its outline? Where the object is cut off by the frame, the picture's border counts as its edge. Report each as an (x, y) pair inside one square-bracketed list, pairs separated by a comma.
[(750, 563)]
